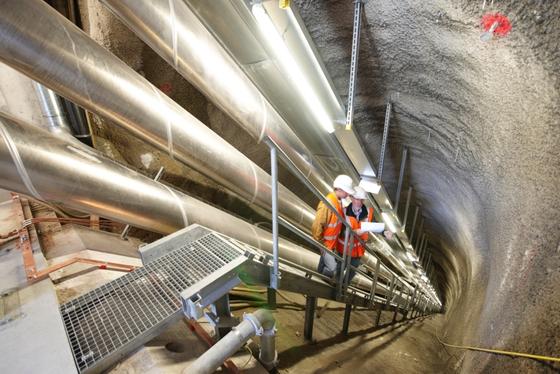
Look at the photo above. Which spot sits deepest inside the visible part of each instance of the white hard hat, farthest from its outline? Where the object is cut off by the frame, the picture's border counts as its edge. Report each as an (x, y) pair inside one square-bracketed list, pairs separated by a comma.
[(344, 182), (359, 193)]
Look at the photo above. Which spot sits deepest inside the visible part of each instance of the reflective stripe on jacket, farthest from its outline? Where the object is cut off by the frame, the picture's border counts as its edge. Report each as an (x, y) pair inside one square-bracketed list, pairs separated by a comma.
[(358, 250), (334, 225)]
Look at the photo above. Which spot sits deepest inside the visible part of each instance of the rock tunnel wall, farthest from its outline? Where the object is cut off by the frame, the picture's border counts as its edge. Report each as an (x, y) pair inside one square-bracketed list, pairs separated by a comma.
[(482, 124), (481, 121)]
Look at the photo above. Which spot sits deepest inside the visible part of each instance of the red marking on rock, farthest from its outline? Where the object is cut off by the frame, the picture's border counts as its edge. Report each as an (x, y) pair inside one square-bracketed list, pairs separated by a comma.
[(166, 88), (103, 267), (504, 26)]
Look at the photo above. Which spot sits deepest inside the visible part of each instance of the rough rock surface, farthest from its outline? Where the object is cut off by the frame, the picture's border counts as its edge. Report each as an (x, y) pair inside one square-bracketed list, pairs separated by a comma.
[(481, 121)]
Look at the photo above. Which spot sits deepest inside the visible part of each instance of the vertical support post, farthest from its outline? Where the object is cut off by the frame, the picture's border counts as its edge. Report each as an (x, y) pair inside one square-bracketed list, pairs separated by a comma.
[(275, 275), (343, 264), (374, 283), (411, 303), (421, 247), (416, 211), (387, 302), (346, 321), (401, 178), (397, 305), (225, 321), (408, 196), (271, 298), (354, 63), (310, 305), (420, 228), (384, 140)]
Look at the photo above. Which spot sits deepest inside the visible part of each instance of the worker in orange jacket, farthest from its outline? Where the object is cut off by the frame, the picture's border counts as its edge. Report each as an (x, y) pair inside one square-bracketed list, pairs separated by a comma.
[(326, 226), (355, 214)]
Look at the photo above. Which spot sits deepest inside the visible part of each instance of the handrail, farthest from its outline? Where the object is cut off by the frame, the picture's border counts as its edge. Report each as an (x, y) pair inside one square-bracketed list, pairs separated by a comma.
[(301, 176)]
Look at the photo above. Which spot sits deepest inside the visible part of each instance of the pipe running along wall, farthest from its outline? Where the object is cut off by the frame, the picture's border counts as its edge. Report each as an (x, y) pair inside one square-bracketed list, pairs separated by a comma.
[(53, 169), (65, 59), (175, 33), (75, 66)]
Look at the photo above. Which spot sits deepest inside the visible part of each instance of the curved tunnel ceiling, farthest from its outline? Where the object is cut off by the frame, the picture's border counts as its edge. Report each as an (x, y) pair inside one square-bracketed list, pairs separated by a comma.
[(481, 121)]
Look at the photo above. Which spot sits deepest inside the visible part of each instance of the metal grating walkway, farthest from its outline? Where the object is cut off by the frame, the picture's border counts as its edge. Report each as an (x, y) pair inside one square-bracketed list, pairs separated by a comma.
[(104, 322)]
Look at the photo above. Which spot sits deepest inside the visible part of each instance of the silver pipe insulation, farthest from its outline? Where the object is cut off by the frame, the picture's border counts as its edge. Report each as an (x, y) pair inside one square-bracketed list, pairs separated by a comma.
[(52, 110), (62, 57), (175, 33), (256, 323), (54, 169)]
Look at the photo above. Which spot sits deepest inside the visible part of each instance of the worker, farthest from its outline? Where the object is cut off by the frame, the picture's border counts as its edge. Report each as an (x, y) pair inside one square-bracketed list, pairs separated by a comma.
[(355, 214), (326, 226)]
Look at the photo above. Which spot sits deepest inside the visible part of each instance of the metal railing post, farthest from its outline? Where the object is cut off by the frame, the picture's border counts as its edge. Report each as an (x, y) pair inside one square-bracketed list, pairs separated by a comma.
[(401, 178), (275, 275)]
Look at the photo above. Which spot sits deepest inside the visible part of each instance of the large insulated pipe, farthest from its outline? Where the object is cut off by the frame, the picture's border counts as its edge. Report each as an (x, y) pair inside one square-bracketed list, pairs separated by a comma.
[(51, 106), (42, 44), (171, 29), (54, 169), (178, 36), (253, 324)]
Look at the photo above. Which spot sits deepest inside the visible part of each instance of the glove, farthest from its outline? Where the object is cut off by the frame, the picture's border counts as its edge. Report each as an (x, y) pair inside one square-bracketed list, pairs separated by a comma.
[(388, 234), (359, 231)]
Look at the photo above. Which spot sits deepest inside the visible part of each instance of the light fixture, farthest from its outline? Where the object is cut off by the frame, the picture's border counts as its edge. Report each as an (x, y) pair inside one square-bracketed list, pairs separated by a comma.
[(389, 221), (370, 184), (290, 67)]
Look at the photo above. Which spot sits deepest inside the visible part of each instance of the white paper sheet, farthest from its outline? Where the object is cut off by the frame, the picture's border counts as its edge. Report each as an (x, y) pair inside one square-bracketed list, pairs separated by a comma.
[(376, 227)]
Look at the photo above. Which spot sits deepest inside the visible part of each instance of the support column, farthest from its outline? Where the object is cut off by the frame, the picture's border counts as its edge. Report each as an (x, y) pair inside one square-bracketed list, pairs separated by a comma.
[(310, 305), (346, 322)]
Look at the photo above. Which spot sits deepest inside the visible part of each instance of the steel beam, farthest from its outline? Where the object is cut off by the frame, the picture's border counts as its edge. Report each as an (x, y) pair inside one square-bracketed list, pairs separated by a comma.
[(416, 211), (405, 219)]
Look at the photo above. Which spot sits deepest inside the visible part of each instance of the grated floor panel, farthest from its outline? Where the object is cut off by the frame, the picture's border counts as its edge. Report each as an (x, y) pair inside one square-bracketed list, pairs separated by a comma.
[(104, 320)]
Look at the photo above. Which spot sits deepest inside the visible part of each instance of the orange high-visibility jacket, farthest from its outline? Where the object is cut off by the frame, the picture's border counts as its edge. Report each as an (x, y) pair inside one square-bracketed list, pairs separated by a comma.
[(334, 225), (358, 250)]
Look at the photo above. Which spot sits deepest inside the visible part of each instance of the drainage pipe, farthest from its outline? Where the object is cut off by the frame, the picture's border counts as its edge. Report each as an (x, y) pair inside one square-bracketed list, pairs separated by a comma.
[(53, 169), (42, 44), (258, 323)]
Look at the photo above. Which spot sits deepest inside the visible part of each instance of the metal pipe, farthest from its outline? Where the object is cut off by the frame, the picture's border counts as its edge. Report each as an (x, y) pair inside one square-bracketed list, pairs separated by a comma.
[(52, 110), (54, 169), (175, 33), (57, 170), (65, 59), (253, 324)]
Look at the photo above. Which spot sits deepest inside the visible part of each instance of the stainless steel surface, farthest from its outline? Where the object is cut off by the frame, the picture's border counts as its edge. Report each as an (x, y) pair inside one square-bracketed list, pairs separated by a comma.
[(80, 178), (354, 62), (256, 58), (110, 321), (52, 110), (210, 360), (63, 58), (177, 35), (275, 278)]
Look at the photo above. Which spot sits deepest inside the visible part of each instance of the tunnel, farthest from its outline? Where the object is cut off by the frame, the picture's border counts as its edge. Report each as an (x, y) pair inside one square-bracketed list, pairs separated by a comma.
[(455, 115)]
